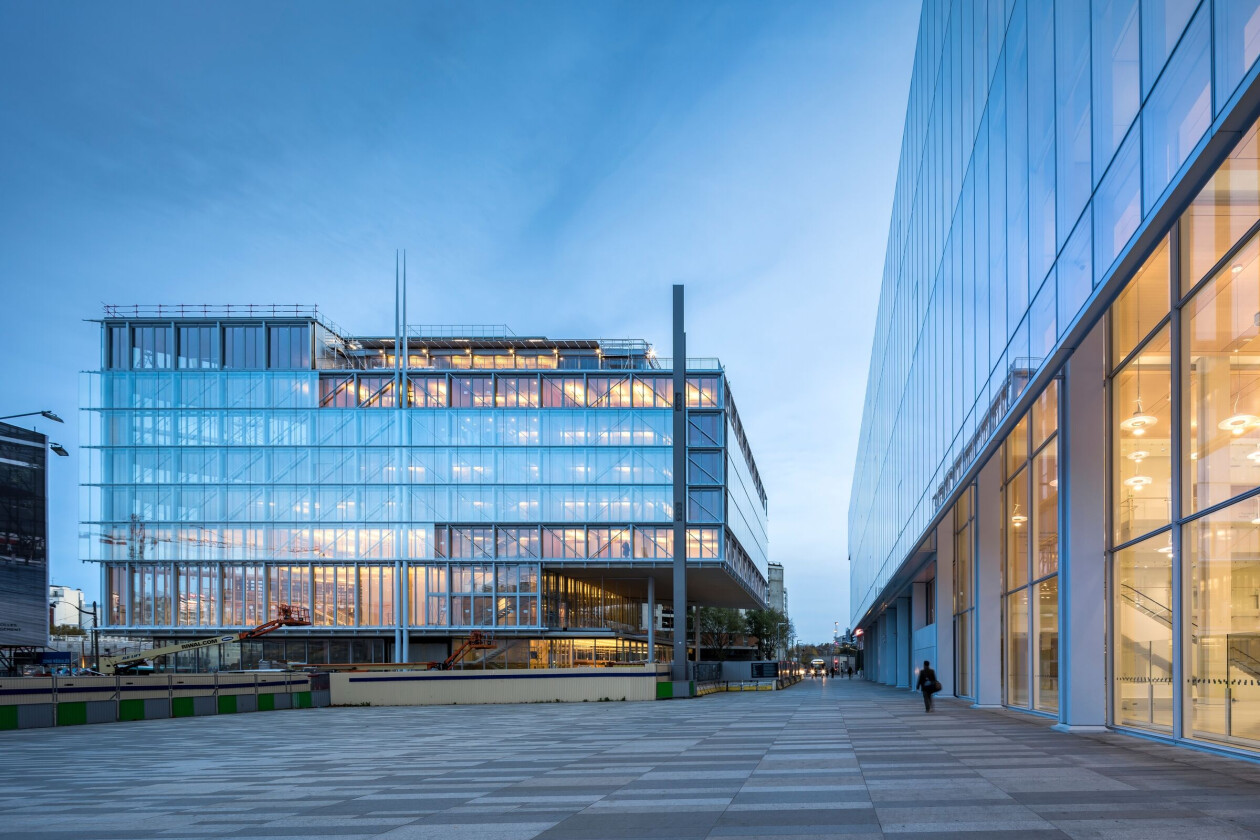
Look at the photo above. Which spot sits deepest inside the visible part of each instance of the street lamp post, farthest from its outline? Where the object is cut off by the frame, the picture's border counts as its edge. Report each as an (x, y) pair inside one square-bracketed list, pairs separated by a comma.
[(57, 448), (96, 626), (47, 415)]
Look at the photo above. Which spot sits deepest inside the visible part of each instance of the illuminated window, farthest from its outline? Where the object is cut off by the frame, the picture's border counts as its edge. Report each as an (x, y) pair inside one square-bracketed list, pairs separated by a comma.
[(426, 391), (564, 392), (653, 392), (517, 392), (472, 392), (702, 543), (608, 392), (654, 543), (704, 392)]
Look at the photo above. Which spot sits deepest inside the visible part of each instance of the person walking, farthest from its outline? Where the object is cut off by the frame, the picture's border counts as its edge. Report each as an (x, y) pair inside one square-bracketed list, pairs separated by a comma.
[(928, 685)]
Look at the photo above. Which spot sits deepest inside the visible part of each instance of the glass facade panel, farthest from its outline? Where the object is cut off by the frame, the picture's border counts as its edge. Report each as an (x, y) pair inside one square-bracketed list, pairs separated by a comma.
[(1031, 556), (1221, 372), (1223, 212), (1117, 205), (426, 391), (1117, 86), (704, 392), (1178, 111), (1237, 43), (151, 347), (564, 392), (243, 347), (1072, 118), (1142, 304), (1017, 529), (1142, 605), (1016, 447), (1015, 660), (197, 348), (1163, 21), (1045, 478), (964, 594), (1222, 577), (653, 392), (1141, 411), (1045, 414), (290, 348), (1046, 646)]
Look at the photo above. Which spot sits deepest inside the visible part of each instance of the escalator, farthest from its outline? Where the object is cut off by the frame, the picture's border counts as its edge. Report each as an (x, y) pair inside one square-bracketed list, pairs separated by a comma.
[(1143, 670)]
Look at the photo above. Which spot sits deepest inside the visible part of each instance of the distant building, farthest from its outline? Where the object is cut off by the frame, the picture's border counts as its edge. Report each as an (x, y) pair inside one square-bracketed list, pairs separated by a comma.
[(777, 594), (778, 600), (63, 601), (242, 458), (23, 541)]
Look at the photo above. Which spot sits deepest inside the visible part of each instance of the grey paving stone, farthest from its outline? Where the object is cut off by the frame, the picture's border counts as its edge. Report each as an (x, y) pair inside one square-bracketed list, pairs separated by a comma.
[(823, 759)]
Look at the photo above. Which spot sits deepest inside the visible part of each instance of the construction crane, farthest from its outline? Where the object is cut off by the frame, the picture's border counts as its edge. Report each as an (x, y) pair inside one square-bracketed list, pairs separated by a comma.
[(286, 616)]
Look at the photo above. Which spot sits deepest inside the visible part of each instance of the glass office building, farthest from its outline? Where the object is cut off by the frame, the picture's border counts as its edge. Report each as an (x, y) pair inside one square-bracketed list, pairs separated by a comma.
[(1057, 497), (406, 489)]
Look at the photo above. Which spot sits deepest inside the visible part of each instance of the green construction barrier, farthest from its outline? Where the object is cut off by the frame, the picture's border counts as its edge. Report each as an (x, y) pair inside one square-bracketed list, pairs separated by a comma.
[(131, 710), (71, 714), (301, 700), (664, 690), (182, 707), (8, 717), (266, 702), (227, 704)]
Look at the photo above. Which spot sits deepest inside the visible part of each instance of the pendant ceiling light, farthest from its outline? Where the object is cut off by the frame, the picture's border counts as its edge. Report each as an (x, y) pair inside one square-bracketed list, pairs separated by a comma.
[(1138, 455), (1237, 423), (1137, 482), (1139, 421), (1017, 518)]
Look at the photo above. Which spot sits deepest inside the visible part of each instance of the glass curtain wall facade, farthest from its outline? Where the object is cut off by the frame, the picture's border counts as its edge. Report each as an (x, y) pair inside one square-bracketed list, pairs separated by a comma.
[(237, 463), (1027, 165), (964, 595), (1031, 558), (1078, 187), (1185, 407)]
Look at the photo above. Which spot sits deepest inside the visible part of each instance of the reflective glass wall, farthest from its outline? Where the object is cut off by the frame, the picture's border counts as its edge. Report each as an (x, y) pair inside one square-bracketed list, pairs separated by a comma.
[(1185, 492), (227, 470), (1039, 137)]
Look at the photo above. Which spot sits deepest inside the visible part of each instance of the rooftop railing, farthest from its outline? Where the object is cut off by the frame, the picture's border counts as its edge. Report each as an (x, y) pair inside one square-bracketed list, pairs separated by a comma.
[(459, 331), (693, 362), (137, 311)]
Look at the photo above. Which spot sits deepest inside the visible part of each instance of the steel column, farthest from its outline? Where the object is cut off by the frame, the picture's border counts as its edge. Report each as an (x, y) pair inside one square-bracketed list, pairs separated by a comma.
[(680, 668)]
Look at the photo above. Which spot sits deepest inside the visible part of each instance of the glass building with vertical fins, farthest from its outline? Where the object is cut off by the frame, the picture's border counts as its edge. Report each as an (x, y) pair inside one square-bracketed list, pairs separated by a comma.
[(406, 489), (1057, 492)]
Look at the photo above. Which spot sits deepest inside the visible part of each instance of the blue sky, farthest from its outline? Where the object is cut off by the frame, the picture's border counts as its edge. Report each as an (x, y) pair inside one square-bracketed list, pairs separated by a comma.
[(551, 166)]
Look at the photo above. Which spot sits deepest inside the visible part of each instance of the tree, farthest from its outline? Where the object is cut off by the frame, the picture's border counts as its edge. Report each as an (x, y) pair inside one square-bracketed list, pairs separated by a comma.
[(771, 629), (719, 626), (67, 630)]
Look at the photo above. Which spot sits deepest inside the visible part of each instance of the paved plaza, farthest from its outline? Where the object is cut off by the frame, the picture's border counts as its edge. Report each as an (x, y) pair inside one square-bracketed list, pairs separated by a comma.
[(821, 759)]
